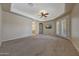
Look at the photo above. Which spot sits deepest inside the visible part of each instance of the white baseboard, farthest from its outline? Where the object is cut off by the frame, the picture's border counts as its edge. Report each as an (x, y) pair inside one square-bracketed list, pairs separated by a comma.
[(74, 43), (16, 38)]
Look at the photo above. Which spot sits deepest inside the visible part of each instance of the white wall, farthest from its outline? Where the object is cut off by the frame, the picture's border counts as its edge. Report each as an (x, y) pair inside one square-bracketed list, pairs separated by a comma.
[(0, 23), (14, 26), (75, 26)]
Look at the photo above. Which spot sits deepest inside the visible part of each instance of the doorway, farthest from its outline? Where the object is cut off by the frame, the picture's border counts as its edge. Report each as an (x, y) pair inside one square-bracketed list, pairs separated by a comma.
[(40, 28)]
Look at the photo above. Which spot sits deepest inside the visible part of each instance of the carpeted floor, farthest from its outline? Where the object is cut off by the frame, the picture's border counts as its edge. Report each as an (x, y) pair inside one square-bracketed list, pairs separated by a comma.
[(40, 45)]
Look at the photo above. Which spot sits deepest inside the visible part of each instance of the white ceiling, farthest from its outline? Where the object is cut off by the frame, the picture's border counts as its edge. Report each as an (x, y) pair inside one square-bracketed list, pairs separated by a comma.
[(31, 10)]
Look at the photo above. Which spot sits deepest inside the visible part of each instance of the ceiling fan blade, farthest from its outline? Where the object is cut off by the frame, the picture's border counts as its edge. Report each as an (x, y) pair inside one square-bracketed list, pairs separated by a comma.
[(46, 13), (45, 16)]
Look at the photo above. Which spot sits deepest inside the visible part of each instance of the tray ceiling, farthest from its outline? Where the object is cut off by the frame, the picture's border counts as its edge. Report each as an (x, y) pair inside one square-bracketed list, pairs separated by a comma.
[(31, 10)]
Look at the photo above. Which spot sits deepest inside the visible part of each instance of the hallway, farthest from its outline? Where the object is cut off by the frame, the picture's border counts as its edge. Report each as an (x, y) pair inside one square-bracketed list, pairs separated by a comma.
[(40, 45)]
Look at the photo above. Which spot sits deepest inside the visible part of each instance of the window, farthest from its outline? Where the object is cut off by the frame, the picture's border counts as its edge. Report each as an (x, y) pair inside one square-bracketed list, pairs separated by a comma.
[(62, 27)]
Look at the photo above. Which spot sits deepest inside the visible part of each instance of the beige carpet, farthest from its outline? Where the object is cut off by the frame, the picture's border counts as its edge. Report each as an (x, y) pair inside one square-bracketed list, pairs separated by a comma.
[(40, 45)]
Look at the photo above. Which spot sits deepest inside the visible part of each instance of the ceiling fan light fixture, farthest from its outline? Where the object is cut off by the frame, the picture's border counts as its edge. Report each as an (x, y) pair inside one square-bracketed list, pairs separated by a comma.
[(43, 13)]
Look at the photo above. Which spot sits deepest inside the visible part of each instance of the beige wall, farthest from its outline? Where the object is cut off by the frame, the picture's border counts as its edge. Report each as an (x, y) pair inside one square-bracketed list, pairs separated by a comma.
[(14, 26), (37, 27), (69, 7), (0, 23), (75, 26), (49, 31)]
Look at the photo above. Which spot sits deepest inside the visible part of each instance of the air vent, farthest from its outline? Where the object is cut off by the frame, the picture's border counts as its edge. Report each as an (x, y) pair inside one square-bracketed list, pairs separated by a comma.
[(30, 4)]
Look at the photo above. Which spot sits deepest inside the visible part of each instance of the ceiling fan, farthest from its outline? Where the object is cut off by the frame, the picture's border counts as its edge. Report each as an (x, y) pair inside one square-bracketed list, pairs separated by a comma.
[(43, 13)]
